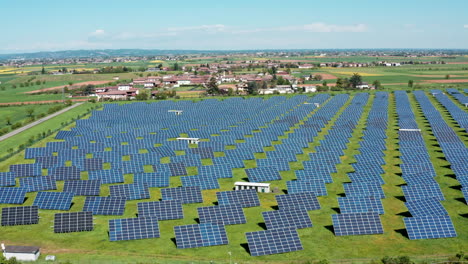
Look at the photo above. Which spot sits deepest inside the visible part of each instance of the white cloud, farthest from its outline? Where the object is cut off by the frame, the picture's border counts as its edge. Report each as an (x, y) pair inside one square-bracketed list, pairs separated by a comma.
[(98, 32), (322, 27), (205, 28), (465, 26)]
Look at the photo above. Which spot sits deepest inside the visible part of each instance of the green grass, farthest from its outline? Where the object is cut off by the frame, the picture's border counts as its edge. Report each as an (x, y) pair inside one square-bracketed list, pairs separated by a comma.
[(18, 113), (319, 242)]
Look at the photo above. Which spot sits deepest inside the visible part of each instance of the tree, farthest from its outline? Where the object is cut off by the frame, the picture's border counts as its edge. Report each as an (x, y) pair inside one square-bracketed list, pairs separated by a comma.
[(43, 70), (377, 84), (324, 83), (212, 86), (355, 80), (318, 77), (264, 85), (8, 120), (447, 76), (410, 83), (176, 66), (142, 95), (30, 111), (252, 88), (230, 91)]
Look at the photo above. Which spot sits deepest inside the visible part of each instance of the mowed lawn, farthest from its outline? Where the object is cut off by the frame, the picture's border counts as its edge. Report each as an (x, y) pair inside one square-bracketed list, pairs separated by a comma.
[(319, 241), (19, 113)]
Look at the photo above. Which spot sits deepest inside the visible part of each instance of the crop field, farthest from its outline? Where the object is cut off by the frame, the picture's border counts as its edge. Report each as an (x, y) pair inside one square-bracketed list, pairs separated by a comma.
[(342, 146)]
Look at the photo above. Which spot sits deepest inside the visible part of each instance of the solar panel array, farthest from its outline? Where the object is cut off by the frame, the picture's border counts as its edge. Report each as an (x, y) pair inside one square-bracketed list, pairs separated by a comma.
[(162, 210), (244, 198), (105, 205), (54, 200), (222, 214), (292, 217), (429, 226), (73, 222), (357, 224), (134, 191), (21, 215), (83, 187), (191, 194), (133, 228), (273, 241), (12, 195), (201, 235), (306, 200)]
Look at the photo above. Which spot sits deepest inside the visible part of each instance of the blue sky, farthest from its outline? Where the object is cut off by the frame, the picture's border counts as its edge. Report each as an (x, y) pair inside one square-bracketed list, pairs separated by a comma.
[(31, 25)]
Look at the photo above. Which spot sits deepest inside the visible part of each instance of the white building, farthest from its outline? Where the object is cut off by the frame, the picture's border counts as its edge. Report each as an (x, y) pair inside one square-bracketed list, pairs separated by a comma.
[(183, 82), (310, 89), (363, 85), (260, 187), (21, 253), (124, 87)]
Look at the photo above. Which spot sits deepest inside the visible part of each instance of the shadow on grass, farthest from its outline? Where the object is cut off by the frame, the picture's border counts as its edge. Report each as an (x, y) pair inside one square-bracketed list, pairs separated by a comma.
[(456, 187), (197, 220), (401, 198), (330, 228), (285, 191), (262, 225), (341, 194), (405, 214), (464, 215), (215, 203), (402, 232), (275, 207), (453, 176), (174, 241), (336, 209), (461, 200), (246, 247)]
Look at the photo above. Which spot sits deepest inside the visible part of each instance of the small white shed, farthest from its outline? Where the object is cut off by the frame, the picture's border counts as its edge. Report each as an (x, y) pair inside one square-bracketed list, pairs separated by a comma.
[(260, 187), (190, 140), (21, 253), (177, 112)]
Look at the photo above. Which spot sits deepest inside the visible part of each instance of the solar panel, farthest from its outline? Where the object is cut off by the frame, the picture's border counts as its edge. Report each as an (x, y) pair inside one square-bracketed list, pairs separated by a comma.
[(423, 207), (191, 194), (162, 210), (465, 194), (273, 241), (357, 224), (7, 179), (292, 217), (83, 187), (418, 192), (222, 214), (104, 205), (107, 176), (360, 204), (12, 195), (73, 222), (26, 170), (263, 174), (364, 189), (177, 169), (244, 198), (65, 173), (21, 215), (154, 179), (205, 182), (54, 200), (201, 235), (93, 164), (301, 200), (134, 191), (429, 226), (133, 228), (40, 183), (316, 186), (216, 171)]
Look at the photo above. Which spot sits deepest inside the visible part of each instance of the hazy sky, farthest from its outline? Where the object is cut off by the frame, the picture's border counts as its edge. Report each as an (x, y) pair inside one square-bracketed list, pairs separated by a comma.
[(32, 25)]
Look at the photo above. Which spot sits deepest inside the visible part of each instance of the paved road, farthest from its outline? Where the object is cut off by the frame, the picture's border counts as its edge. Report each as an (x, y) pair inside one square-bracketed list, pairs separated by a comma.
[(37, 122)]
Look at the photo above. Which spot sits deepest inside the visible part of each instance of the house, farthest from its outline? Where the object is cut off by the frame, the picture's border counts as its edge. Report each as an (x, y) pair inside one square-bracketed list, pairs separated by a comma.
[(310, 89), (21, 253), (117, 94), (306, 66), (306, 77), (362, 85), (260, 187), (124, 87), (149, 85), (183, 81)]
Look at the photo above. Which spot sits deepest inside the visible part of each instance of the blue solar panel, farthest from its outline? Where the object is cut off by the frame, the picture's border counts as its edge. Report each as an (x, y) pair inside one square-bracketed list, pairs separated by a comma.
[(465, 193), (26, 170), (21, 215), (360, 204), (105, 205), (216, 171), (73, 222), (134, 191), (418, 192), (162, 210), (357, 224), (107, 176), (93, 164), (277, 163), (205, 182), (263, 174), (274, 241), (201, 235), (364, 189), (190, 194), (244, 198), (301, 200), (133, 228), (41, 183), (65, 173), (54, 200), (316, 186), (222, 214), (7, 179), (423, 207), (154, 179), (12, 195), (429, 226), (177, 169), (291, 217), (83, 187)]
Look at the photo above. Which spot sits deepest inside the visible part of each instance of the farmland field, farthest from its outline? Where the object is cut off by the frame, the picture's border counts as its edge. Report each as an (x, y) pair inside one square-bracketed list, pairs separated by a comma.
[(273, 124)]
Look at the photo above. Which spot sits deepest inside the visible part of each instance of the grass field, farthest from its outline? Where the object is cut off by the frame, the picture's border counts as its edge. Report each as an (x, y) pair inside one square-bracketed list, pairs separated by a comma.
[(18, 113), (319, 241)]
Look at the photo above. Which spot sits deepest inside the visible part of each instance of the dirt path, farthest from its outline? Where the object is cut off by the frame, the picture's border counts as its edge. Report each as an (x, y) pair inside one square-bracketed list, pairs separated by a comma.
[(74, 86), (447, 81)]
